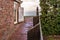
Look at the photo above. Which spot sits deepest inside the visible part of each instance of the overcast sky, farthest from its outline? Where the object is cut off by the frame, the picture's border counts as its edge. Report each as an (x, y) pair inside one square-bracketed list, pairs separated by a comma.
[(30, 0), (30, 6)]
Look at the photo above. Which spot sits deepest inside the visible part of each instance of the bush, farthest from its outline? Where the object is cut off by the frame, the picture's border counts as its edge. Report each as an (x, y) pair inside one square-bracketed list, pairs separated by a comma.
[(50, 18)]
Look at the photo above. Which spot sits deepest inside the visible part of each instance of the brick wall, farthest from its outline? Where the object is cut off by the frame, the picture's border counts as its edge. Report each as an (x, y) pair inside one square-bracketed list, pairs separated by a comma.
[(6, 18)]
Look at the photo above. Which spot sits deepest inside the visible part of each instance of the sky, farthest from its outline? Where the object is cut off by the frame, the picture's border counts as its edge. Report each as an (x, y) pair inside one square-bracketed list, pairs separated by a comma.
[(30, 6), (30, 0)]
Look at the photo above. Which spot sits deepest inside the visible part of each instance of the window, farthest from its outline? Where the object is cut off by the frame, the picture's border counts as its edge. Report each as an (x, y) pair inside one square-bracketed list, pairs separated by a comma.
[(15, 12), (18, 13), (21, 14)]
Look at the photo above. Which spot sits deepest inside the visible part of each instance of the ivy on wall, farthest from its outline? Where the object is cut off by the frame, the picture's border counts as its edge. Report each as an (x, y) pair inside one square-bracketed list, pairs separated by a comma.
[(50, 18)]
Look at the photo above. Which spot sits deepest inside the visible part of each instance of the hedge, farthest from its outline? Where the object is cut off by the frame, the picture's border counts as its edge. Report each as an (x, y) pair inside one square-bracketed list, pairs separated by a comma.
[(50, 18)]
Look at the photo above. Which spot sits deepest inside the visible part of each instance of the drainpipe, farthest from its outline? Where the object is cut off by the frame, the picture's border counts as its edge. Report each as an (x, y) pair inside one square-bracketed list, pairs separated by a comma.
[(41, 34)]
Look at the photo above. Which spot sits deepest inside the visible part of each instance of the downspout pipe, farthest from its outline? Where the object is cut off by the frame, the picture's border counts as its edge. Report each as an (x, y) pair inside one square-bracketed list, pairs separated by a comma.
[(39, 14), (41, 34)]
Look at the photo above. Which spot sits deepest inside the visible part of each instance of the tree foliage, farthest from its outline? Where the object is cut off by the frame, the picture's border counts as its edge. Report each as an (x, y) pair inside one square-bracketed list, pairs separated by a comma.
[(50, 17)]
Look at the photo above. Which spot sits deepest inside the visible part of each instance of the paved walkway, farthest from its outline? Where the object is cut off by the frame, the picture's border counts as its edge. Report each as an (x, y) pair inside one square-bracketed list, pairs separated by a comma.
[(21, 32)]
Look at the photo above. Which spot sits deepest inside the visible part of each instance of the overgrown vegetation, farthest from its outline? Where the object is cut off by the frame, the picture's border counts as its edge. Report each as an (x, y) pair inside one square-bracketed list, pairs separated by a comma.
[(50, 18)]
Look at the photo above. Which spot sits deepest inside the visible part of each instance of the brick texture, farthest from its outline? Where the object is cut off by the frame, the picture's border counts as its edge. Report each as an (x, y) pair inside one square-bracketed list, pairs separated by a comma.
[(6, 18)]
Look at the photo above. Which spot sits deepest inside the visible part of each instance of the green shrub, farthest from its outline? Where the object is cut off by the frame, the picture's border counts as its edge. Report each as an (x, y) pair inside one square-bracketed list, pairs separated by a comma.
[(50, 39), (50, 18)]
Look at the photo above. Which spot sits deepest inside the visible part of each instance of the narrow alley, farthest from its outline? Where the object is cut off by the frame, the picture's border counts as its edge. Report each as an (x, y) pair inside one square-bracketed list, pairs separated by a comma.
[(17, 18), (21, 32)]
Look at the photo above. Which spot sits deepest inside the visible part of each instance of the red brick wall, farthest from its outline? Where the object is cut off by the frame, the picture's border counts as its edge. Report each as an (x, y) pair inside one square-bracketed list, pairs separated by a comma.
[(6, 18)]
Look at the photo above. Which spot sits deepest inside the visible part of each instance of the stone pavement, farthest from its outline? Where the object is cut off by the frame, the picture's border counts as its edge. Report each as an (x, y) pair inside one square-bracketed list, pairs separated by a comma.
[(21, 32)]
